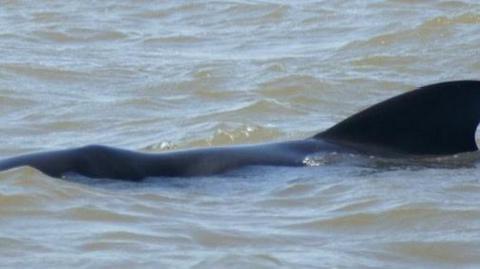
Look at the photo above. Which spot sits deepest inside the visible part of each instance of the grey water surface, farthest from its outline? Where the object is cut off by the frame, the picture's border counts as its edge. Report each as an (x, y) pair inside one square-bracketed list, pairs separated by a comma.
[(161, 75)]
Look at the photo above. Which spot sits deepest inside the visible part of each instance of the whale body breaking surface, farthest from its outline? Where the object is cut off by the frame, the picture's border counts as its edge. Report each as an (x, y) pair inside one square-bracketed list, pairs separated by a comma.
[(438, 119)]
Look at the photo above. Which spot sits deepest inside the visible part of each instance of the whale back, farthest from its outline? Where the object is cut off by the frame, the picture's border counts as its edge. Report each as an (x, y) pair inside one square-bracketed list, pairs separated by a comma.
[(438, 119)]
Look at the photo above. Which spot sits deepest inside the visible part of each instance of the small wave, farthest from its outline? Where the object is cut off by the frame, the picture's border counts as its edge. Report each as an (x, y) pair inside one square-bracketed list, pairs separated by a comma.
[(457, 253), (255, 109), (172, 40), (16, 101), (292, 85), (428, 30), (226, 237), (264, 12), (399, 218), (121, 238), (153, 14), (240, 261), (223, 134), (294, 190), (48, 16), (385, 60), (81, 36), (98, 214), (443, 21), (43, 72), (242, 134)]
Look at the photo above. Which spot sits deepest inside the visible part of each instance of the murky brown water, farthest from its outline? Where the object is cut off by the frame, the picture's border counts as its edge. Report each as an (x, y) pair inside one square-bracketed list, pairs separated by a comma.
[(177, 74)]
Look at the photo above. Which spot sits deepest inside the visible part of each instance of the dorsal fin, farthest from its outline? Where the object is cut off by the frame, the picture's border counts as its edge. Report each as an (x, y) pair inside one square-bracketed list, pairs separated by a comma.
[(438, 119)]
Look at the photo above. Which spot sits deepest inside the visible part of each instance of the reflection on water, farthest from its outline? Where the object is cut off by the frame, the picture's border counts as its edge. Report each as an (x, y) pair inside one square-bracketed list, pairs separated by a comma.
[(379, 163), (182, 74)]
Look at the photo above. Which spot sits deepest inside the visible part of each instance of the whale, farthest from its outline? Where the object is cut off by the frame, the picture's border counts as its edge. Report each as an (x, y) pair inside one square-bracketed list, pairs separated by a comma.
[(432, 120)]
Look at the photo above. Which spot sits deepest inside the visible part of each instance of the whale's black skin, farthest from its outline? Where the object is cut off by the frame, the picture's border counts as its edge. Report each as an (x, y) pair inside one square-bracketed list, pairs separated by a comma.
[(438, 119), (97, 161)]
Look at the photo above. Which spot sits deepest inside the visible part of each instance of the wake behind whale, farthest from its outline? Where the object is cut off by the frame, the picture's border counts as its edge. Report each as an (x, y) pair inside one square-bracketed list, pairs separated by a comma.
[(434, 120)]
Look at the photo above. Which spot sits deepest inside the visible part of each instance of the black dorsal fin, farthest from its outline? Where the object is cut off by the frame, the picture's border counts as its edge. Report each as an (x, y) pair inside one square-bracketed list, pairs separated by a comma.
[(438, 119)]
